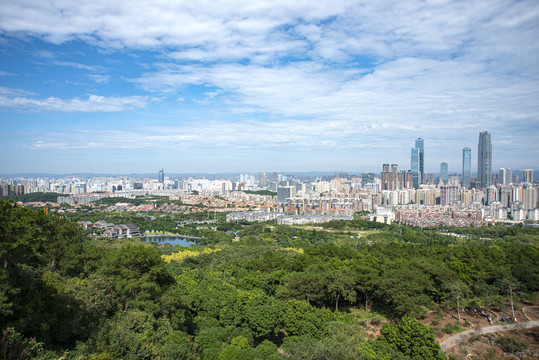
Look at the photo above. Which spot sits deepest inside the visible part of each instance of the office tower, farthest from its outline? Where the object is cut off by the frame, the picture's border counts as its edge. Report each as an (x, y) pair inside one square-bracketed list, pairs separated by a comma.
[(506, 176), (528, 175), (420, 144), (484, 159), (466, 167), (285, 192), (415, 154), (161, 176), (444, 175)]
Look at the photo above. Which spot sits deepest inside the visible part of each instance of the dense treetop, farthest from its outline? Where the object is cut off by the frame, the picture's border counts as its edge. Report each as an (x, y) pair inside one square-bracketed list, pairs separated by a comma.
[(262, 292)]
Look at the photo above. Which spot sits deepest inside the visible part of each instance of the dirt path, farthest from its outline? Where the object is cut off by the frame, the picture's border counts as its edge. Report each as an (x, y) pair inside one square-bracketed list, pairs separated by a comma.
[(463, 336)]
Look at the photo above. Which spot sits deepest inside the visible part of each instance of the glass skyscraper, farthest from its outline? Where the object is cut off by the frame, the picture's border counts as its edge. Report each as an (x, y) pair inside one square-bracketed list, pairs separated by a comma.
[(444, 174), (415, 167), (161, 176), (420, 144), (484, 159), (466, 167)]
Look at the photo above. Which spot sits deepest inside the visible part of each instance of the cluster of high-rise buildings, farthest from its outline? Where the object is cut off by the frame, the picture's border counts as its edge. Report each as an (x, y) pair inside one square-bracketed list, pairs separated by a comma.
[(496, 196), (393, 179), (412, 196)]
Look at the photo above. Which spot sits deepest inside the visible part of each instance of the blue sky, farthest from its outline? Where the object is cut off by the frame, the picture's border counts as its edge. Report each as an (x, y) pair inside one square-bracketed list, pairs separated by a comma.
[(213, 86)]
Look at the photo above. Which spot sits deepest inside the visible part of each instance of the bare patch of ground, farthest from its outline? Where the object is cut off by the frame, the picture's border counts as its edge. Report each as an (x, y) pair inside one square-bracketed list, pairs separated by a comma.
[(488, 345)]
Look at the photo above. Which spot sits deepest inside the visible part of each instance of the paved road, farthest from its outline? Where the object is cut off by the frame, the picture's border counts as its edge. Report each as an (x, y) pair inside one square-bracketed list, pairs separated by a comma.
[(463, 336)]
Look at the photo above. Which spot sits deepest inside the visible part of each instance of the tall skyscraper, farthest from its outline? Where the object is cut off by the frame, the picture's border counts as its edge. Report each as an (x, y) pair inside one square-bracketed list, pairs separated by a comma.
[(466, 167), (415, 154), (484, 159), (444, 172), (528, 175), (420, 144), (161, 176)]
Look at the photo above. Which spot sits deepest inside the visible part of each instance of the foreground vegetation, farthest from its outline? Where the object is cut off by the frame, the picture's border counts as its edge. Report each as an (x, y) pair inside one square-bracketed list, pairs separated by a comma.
[(261, 292)]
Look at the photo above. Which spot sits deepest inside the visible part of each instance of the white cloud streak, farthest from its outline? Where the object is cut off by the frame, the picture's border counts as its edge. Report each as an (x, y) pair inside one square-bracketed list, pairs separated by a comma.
[(94, 103)]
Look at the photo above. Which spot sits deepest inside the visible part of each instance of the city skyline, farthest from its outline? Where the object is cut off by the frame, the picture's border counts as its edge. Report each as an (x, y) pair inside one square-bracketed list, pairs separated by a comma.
[(131, 87), (416, 162)]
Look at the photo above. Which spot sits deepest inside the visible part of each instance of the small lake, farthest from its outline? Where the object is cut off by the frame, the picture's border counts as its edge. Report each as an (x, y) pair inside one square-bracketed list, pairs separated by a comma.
[(183, 242)]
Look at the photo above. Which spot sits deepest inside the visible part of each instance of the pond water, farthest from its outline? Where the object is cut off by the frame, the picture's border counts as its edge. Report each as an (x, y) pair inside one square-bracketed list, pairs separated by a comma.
[(183, 242)]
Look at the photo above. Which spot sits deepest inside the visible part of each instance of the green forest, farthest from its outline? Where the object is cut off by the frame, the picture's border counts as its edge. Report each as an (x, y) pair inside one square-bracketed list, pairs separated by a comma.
[(261, 291)]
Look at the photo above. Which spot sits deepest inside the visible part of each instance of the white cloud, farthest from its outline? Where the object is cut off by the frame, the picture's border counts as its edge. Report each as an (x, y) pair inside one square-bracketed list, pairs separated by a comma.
[(94, 103), (100, 79), (7, 92), (339, 74), (79, 66)]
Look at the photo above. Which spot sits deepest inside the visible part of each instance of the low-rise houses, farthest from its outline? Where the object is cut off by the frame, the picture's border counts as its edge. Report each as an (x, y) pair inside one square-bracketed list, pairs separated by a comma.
[(421, 215), (111, 230)]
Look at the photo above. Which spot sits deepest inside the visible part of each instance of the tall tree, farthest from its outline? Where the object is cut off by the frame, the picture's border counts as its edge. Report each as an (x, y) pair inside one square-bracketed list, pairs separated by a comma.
[(457, 290)]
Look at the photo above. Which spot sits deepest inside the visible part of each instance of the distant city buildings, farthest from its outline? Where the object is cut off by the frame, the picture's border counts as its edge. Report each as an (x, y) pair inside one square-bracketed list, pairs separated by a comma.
[(408, 196), (262, 179)]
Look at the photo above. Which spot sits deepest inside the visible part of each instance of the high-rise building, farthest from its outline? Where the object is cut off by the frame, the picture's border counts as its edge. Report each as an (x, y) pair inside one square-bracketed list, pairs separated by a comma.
[(389, 178), (415, 155), (384, 177), (506, 176), (484, 159), (161, 176), (466, 167), (285, 192), (420, 144), (409, 180), (262, 179), (528, 175), (444, 173), (449, 194)]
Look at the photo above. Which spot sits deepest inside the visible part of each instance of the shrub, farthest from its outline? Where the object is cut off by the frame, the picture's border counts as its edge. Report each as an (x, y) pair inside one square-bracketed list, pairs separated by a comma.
[(452, 328), (511, 344), (475, 338)]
